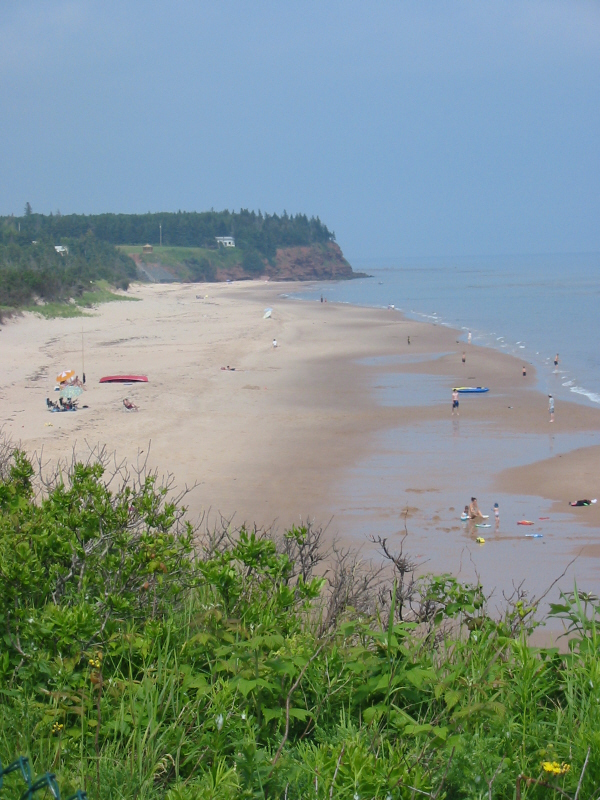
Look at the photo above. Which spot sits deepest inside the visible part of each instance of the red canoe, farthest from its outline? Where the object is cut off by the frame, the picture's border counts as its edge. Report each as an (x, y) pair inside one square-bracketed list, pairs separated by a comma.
[(124, 379)]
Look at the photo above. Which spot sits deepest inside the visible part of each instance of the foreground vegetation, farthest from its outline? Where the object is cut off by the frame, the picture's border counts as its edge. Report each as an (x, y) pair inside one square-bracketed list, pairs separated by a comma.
[(144, 659)]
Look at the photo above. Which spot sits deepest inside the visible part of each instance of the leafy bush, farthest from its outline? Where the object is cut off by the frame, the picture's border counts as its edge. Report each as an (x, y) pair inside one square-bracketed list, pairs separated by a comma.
[(253, 263), (144, 659), (201, 270), (33, 270)]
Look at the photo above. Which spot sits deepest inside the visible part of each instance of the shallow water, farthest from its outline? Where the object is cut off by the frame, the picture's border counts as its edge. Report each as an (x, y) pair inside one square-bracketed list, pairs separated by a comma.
[(419, 478), (530, 306)]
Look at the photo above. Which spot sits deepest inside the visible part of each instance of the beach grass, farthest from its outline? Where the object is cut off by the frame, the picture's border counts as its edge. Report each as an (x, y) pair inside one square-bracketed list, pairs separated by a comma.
[(79, 306)]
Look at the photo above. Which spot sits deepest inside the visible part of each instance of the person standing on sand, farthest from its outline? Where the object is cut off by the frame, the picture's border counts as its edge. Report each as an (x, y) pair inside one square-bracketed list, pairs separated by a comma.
[(454, 401), (464, 357), (524, 371), (497, 514), (551, 407), (408, 339), (274, 342)]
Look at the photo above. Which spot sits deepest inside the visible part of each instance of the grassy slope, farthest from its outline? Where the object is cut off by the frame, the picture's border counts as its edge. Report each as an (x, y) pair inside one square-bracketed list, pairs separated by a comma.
[(175, 257), (76, 308)]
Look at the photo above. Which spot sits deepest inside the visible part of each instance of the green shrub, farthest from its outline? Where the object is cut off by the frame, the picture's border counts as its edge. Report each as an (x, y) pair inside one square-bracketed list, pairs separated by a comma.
[(143, 659)]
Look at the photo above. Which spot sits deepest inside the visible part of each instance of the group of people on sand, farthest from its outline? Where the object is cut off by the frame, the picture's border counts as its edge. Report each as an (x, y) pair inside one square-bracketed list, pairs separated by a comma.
[(472, 511)]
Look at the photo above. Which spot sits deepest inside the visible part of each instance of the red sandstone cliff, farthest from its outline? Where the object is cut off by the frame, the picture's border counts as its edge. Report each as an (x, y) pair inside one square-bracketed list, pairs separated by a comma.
[(319, 262)]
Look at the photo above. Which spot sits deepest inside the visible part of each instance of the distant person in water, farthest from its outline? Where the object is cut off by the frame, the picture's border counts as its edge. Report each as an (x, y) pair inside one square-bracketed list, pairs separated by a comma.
[(556, 361), (474, 512), (497, 514), (454, 401), (551, 407), (469, 337), (524, 371)]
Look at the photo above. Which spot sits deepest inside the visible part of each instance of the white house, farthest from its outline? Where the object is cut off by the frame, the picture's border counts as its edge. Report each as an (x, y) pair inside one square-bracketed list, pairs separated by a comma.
[(61, 250), (226, 241)]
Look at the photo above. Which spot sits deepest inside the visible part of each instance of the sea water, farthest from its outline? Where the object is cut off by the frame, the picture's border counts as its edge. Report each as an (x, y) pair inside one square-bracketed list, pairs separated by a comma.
[(530, 306)]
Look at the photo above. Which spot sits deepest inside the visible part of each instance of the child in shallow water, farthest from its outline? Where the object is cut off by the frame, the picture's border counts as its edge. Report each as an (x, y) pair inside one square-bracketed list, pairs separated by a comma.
[(497, 513)]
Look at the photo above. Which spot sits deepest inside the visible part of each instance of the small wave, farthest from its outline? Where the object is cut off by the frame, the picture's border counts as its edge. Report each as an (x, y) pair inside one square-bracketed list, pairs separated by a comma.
[(521, 347), (568, 383), (595, 398)]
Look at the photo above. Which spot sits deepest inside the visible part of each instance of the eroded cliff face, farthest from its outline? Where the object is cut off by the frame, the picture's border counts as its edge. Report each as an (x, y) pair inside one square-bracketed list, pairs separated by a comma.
[(319, 262), (315, 263)]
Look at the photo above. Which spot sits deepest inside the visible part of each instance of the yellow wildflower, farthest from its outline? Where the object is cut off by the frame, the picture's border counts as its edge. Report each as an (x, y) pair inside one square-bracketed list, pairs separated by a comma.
[(554, 768)]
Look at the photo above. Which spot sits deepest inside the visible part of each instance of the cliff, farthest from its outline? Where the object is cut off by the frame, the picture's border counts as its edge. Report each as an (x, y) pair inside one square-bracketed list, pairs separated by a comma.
[(317, 262)]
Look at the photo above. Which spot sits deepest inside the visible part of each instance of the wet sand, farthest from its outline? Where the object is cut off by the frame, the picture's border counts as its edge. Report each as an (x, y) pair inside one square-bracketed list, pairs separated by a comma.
[(343, 419)]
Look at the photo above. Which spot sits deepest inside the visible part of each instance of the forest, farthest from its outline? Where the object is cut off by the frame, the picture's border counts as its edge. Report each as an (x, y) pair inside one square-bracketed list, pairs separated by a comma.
[(144, 657), (252, 230)]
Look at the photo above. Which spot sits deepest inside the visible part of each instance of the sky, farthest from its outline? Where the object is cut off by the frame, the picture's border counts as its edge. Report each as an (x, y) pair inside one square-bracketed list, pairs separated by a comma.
[(411, 128)]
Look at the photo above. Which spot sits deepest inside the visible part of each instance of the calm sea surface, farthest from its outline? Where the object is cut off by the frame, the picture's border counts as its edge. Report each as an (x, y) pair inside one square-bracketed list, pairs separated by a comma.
[(530, 306)]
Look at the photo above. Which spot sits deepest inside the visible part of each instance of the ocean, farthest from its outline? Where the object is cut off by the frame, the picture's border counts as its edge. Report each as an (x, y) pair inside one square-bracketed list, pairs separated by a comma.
[(530, 306)]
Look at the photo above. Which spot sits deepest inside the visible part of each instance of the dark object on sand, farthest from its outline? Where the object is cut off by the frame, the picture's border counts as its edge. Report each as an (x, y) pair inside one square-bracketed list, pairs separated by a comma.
[(582, 502), (62, 405), (124, 379)]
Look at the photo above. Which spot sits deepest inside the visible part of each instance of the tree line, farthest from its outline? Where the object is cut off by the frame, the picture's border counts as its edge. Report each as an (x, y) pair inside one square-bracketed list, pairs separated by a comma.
[(252, 230), (32, 269)]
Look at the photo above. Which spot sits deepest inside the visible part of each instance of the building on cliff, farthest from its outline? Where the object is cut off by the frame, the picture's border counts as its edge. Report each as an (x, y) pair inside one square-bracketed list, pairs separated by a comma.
[(226, 241)]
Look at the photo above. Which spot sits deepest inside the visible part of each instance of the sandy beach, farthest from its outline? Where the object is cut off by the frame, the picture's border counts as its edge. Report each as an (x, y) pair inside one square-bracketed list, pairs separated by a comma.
[(343, 419)]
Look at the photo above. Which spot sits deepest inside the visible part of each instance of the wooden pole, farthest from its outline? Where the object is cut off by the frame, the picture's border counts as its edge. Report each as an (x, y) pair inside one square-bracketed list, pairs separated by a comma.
[(82, 356)]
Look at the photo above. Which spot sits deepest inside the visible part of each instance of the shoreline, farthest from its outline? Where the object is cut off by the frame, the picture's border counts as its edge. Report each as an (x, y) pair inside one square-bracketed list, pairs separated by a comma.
[(317, 426)]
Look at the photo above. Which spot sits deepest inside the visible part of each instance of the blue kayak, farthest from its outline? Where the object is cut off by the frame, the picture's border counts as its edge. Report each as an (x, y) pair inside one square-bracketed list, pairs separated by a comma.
[(471, 389)]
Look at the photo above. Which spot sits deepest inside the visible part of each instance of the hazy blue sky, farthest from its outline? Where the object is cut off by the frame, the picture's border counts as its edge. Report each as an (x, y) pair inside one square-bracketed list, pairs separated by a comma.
[(410, 128)]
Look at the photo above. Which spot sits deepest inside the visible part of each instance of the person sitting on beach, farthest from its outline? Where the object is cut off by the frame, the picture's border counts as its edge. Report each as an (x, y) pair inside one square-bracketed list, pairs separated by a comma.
[(474, 512), (582, 502), (129, 405)]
